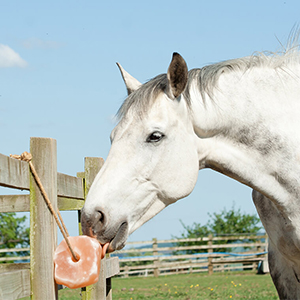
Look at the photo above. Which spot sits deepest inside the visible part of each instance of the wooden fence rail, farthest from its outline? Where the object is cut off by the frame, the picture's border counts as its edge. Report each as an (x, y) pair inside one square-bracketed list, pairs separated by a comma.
[(173, 258), (66, 192)]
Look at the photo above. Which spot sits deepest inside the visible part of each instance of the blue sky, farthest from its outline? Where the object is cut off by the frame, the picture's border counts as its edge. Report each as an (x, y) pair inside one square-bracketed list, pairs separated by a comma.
[(58, 76)]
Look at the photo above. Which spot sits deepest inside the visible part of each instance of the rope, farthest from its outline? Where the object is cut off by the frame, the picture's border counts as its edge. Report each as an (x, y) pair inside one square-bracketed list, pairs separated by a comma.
[(25, 156)]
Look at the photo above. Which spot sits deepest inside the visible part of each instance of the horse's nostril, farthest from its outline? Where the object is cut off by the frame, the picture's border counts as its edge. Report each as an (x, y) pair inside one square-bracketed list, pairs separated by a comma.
[(93, 221), (100, 216)]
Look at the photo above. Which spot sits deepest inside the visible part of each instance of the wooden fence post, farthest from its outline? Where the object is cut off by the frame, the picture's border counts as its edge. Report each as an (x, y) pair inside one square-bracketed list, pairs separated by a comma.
[(43, 230), (191, 266), (210, 250), (255, 264), (156, 261), (126, 270), (80, 175), (96, 291)]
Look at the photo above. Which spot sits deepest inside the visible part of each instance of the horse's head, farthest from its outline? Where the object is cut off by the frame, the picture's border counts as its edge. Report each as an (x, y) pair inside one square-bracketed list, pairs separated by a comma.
[(153, 160)]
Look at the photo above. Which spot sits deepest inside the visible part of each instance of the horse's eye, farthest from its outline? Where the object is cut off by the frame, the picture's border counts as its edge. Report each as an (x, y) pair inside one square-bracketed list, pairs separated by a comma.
[(155, 137)]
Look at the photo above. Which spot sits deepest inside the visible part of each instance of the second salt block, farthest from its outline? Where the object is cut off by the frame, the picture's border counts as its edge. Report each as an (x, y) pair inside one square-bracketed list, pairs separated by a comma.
[(75, 274)]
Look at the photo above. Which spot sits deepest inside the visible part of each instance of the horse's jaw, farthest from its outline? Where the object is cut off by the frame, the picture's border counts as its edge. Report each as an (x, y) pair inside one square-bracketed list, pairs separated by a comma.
[(112, 220), (156, 207)]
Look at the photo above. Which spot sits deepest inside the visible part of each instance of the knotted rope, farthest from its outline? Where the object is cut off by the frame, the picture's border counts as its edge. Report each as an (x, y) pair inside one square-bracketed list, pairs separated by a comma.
[(25, 156)]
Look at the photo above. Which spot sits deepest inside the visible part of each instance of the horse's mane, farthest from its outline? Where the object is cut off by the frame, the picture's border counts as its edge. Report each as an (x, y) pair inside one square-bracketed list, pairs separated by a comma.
[(208, 76)]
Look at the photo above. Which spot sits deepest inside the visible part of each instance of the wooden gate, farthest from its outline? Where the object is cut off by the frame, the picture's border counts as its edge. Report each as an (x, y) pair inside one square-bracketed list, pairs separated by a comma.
[(65, 192)]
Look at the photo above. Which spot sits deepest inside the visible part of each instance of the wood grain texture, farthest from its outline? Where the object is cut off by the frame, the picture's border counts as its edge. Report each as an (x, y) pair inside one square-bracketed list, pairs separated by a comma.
[(14, 173), (21, 203), (15, 285), (70, 186), (43, 229), (112, 266), (96, 291), (14, 203)]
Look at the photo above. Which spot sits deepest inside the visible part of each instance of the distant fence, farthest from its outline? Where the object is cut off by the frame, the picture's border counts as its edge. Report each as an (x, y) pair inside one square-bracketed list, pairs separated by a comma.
[(35, 279), (164, 257)]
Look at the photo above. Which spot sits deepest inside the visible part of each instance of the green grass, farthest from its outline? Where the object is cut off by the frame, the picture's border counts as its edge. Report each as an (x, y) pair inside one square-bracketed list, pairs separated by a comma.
[(244, 285)]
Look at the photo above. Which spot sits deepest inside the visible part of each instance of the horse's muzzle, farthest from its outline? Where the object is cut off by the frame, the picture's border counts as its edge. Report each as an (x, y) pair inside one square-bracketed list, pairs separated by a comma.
[(98, 226)]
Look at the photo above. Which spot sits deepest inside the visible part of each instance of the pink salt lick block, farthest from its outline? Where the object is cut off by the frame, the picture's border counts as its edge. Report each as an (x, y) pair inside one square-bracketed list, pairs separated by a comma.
[(75, 274)]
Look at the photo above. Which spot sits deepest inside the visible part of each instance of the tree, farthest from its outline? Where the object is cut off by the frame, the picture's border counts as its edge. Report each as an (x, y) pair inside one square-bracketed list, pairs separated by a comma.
[(233, 222), (195, 231), (230, 222), (13, 234)]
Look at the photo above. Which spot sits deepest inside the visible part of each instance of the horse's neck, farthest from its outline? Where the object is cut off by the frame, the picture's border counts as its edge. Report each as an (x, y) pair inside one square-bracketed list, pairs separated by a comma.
[(251, 129), (260, 96)]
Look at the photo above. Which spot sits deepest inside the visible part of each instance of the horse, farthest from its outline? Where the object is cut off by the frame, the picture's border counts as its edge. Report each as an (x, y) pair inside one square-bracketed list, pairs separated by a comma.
[(239, 117)]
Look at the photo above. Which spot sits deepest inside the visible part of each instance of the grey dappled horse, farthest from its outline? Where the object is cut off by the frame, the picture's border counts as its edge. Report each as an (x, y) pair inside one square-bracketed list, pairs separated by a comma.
[(239, 117)]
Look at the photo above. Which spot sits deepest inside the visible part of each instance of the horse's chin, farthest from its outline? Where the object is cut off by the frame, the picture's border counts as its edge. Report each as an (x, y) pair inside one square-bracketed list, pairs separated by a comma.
[(119, 240)]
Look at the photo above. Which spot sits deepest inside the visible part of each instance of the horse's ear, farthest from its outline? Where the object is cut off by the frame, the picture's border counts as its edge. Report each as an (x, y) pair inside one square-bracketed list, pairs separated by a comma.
[(131, 83), (177, 75)]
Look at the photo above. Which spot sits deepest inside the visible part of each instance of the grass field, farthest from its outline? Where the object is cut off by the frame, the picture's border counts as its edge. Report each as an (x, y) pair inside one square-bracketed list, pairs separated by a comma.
[(244, 285)]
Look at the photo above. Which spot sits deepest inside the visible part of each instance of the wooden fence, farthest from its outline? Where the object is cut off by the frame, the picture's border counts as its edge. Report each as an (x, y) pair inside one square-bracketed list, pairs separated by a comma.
[(154, 258), (65, 192)]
